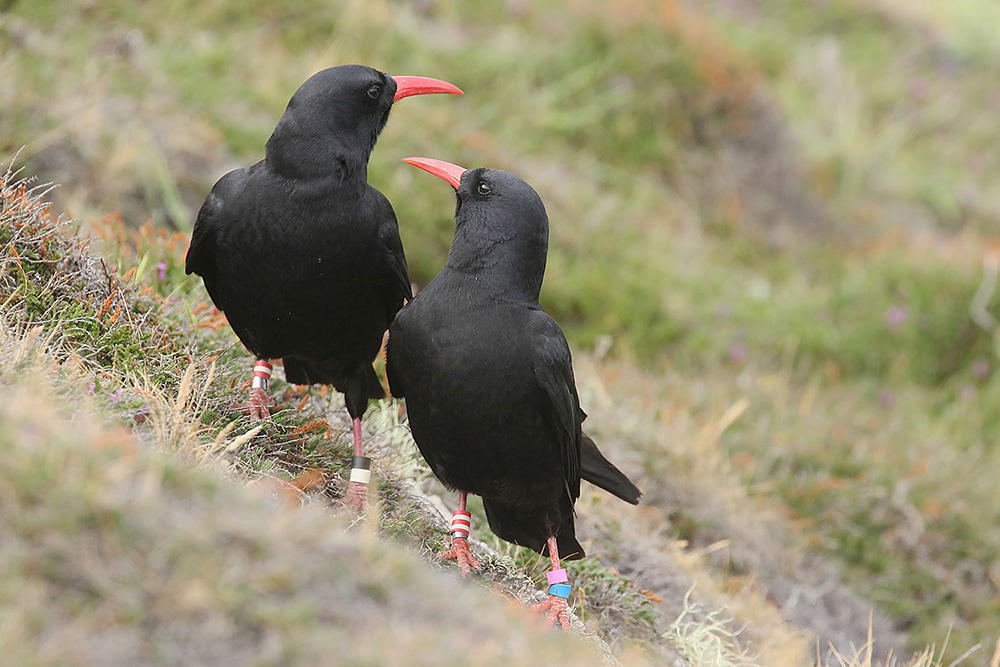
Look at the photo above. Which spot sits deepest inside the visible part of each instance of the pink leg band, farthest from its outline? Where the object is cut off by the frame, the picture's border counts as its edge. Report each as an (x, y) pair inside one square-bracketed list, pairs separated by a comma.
[(556, 576), (461, 523)]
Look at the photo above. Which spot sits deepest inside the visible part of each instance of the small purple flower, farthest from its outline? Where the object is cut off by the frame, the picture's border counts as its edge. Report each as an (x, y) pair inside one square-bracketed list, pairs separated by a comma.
[(886, 399), (981, 370), (737, 353), (895, 316), (116, 394), (141, 414), (919, 90), (91, 388), (161, 270)]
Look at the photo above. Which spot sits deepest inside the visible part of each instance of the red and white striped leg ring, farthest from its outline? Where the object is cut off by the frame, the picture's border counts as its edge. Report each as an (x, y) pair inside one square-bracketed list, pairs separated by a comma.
[(261, 375), (461, 524)]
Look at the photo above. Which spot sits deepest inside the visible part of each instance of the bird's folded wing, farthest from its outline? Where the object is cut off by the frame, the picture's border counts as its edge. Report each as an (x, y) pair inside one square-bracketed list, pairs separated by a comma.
[(201, 252), (399, 288), (554, 373)]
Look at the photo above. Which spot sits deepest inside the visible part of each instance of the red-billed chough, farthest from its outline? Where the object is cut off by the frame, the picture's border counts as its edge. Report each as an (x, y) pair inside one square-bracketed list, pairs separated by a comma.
[(302, 254), (488, 378)]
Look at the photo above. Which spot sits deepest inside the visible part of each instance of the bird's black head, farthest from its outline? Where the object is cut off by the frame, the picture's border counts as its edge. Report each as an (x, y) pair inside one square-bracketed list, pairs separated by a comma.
[(333, 120), (501, 228)]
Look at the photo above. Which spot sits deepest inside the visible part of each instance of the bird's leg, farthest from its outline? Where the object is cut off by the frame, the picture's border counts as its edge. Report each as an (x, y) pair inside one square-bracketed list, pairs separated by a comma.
[(357, 490), (559, 590), (461, 526), (259, 404)]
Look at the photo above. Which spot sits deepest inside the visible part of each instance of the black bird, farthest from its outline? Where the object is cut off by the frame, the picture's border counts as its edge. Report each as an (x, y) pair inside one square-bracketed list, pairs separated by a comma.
[(302, 254), (488, 378)]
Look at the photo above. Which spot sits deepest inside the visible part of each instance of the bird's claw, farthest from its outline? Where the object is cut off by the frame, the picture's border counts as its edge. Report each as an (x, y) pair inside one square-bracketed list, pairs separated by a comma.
[(558, 609), (258, 406), (356, 497), (462, 553)]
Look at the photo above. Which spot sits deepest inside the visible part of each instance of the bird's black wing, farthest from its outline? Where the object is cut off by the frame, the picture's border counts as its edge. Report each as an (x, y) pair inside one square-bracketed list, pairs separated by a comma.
[(553, 367), (398, 289), (201, 252)]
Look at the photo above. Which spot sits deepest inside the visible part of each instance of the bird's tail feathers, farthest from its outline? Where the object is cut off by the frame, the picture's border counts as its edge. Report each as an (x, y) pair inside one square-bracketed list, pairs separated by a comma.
[(600, 472)]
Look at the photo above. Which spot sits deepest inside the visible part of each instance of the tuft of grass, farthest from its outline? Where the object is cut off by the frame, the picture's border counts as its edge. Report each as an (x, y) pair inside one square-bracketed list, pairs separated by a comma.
[(930, 657), (50, 278), (703, 638)]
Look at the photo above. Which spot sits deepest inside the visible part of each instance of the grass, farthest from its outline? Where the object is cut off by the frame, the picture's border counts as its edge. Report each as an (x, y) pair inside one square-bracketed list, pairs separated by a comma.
[(772, 206), (704, 642)]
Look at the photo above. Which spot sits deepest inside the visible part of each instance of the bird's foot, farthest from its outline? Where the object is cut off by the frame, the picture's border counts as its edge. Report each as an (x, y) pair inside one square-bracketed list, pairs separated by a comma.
[(462, 553), (558, 609), (356, 497), (258, 406)]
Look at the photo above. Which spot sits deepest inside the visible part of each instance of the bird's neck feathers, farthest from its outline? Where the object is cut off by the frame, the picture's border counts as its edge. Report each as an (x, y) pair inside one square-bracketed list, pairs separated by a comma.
[(509, 266), (301, 150)]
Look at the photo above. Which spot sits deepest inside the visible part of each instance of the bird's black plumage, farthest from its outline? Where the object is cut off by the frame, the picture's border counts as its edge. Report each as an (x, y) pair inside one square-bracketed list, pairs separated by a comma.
[(488, 377), (302, 255), (604, 474)]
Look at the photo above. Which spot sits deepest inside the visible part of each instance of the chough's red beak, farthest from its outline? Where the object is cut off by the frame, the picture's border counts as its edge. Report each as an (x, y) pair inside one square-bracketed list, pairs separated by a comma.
[(446, 170), (422, 85)]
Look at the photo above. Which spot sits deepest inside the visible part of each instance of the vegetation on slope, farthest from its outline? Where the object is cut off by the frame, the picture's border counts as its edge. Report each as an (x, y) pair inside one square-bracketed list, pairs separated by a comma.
[(784, 211), (117, 554)]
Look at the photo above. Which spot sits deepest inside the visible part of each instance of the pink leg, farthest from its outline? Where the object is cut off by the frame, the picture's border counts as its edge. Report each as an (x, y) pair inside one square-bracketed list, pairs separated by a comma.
[(556, 605), (259, 404), (461, 526), (357, 491)]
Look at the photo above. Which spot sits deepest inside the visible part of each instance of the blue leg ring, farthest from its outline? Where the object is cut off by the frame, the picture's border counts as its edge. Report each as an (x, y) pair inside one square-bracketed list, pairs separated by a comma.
[(560, 590)]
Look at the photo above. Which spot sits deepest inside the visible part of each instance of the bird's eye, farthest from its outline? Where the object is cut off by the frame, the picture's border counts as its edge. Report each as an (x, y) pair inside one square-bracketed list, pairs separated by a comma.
[(374, 91), (484, 189)]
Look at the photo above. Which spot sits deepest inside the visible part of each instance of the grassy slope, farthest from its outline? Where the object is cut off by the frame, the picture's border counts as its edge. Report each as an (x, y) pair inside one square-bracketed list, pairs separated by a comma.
[(693, 148), (116, 554)]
